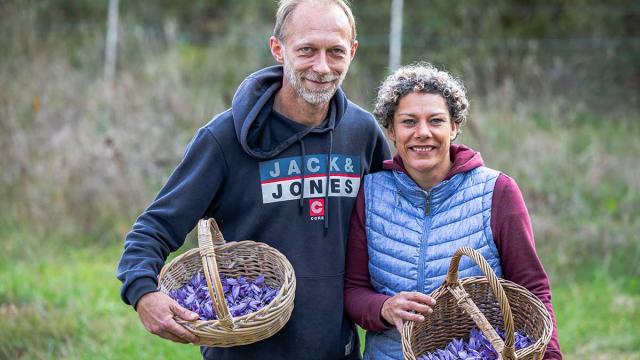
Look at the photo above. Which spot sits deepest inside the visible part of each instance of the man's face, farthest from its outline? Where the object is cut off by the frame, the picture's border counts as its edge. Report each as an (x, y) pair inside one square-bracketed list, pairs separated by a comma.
[(316, 52)]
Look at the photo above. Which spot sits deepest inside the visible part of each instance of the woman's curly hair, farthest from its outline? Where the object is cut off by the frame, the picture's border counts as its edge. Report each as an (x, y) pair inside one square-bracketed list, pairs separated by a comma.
[(424, 78)]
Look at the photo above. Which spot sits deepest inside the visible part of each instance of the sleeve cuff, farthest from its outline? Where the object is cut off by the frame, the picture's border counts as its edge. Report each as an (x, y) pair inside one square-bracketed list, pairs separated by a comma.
[(138, 288), (380, 324)]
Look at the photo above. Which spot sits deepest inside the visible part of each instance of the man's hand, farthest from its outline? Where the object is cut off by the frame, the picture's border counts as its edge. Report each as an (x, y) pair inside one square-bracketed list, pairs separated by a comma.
[(156, 311), (406, 306)]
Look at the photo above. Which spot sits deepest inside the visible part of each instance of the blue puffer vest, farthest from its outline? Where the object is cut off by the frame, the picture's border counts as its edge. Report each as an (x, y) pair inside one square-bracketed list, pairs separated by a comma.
[(412, 234)]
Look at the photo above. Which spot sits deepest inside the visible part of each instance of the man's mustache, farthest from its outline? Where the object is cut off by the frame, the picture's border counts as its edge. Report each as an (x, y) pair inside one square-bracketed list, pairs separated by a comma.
[(313, 76)]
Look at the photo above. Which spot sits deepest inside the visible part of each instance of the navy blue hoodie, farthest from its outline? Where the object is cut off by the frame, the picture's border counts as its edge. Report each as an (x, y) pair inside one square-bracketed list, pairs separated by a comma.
[(248, 168)]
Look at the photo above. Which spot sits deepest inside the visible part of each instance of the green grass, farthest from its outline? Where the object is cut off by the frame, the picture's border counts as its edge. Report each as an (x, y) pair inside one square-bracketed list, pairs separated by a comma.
[(62, 302), (599, 316)]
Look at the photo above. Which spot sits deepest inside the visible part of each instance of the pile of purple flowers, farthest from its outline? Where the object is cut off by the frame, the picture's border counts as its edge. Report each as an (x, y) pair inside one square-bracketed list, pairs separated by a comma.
[(243, 295), (477, 348)]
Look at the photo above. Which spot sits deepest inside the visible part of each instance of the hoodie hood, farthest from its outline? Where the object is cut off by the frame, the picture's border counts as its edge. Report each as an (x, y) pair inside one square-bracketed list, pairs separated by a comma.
[(251, 109), (463, 159)]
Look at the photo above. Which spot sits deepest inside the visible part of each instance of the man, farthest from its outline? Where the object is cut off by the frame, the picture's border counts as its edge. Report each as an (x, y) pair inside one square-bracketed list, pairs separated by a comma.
[(282, 166)]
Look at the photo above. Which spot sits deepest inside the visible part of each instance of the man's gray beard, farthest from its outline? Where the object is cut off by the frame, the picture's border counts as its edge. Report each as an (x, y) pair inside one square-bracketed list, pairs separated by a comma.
[(312, 97)]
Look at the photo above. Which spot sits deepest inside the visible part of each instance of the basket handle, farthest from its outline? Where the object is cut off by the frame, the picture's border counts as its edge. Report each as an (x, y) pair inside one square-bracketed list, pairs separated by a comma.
[(506, 348), (206, 244)]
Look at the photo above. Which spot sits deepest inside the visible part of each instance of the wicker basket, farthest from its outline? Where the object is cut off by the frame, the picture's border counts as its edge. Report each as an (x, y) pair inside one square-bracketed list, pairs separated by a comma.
[(471, 302), (239, 258)]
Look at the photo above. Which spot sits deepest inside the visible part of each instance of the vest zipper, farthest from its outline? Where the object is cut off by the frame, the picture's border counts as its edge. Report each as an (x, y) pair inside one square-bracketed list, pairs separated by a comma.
[(424, 244), (427, 205)]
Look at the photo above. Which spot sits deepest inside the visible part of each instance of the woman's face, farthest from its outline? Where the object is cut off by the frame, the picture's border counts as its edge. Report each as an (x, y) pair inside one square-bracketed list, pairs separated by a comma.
[(422, 131)]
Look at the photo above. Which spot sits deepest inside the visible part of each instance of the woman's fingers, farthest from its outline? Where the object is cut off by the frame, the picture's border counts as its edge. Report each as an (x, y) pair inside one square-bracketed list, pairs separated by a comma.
[(407, 306), (420, 298), (398, 324), (410, 316), (418, 307), (401, 315), (415, 301)]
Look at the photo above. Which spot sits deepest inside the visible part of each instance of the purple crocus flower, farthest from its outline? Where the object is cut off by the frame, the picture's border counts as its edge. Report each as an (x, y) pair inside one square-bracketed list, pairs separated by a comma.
[(243, 295), (476, 348)]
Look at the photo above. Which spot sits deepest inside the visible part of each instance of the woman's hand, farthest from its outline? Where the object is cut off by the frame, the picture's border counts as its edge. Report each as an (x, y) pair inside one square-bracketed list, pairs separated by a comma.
[(406, 306)]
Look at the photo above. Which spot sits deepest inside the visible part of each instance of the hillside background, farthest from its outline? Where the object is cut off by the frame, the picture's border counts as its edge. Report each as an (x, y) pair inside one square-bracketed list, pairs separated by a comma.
[(555, 97)]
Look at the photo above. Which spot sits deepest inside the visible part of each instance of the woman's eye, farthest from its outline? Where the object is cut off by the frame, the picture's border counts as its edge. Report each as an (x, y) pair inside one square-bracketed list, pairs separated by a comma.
[(408, 122)]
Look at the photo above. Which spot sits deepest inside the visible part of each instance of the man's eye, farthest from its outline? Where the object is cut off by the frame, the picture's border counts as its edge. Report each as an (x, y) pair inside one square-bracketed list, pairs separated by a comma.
[(305, 50), (338, 52)]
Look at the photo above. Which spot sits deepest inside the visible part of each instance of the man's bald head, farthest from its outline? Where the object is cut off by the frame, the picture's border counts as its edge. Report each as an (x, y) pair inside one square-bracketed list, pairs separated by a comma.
[(286, 7)]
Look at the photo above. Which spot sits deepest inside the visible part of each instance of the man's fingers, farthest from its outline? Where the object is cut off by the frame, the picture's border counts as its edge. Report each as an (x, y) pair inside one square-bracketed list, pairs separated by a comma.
[(179, 330), (157, 312), (170, 329), (183, 313), (183, 333), (170, 326), (169, 336)]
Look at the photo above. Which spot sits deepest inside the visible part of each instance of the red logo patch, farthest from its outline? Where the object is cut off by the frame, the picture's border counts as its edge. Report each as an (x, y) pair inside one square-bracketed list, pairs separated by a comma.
[(316, 207)]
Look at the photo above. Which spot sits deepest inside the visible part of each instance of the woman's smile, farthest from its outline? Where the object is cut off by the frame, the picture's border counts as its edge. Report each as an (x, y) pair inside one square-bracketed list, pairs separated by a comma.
[(422, 149)]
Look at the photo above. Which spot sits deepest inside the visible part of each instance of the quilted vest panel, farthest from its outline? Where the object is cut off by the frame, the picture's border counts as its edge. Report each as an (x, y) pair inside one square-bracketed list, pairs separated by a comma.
[(412, 234)]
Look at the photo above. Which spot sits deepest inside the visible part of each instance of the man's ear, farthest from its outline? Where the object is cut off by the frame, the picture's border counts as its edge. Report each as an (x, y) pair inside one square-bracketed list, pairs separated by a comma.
[(354, 47), (276, 49)]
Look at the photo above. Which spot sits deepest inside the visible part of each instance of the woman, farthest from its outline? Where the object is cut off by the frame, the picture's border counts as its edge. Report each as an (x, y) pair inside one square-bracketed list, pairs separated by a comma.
[(431, 199)]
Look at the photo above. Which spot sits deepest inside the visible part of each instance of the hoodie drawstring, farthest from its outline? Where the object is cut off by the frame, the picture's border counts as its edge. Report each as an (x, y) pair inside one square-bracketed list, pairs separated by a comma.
[(326, 193), (303, 165)]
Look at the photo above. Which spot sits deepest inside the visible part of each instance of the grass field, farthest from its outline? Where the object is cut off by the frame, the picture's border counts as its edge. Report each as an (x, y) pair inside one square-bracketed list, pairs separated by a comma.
[(61, 302)]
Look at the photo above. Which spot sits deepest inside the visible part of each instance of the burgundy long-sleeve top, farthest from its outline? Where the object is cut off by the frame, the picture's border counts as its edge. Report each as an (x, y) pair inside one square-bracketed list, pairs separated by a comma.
[(512, 234)]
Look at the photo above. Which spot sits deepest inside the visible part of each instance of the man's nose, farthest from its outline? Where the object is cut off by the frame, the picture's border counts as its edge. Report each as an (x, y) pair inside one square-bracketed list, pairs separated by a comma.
[(321, 64)]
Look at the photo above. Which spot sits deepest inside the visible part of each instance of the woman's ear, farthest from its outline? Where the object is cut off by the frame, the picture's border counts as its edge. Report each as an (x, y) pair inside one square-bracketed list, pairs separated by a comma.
[(454, 130), (390, 134)]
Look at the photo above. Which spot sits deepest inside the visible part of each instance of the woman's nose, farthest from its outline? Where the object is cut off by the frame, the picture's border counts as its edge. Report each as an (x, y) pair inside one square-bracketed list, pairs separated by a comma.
[(422, 130)]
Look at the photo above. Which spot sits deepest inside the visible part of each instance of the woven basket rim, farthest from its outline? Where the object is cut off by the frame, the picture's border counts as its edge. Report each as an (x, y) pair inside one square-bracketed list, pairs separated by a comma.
[(537, 346), (516, 293), (199, 322), (212, 252)]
